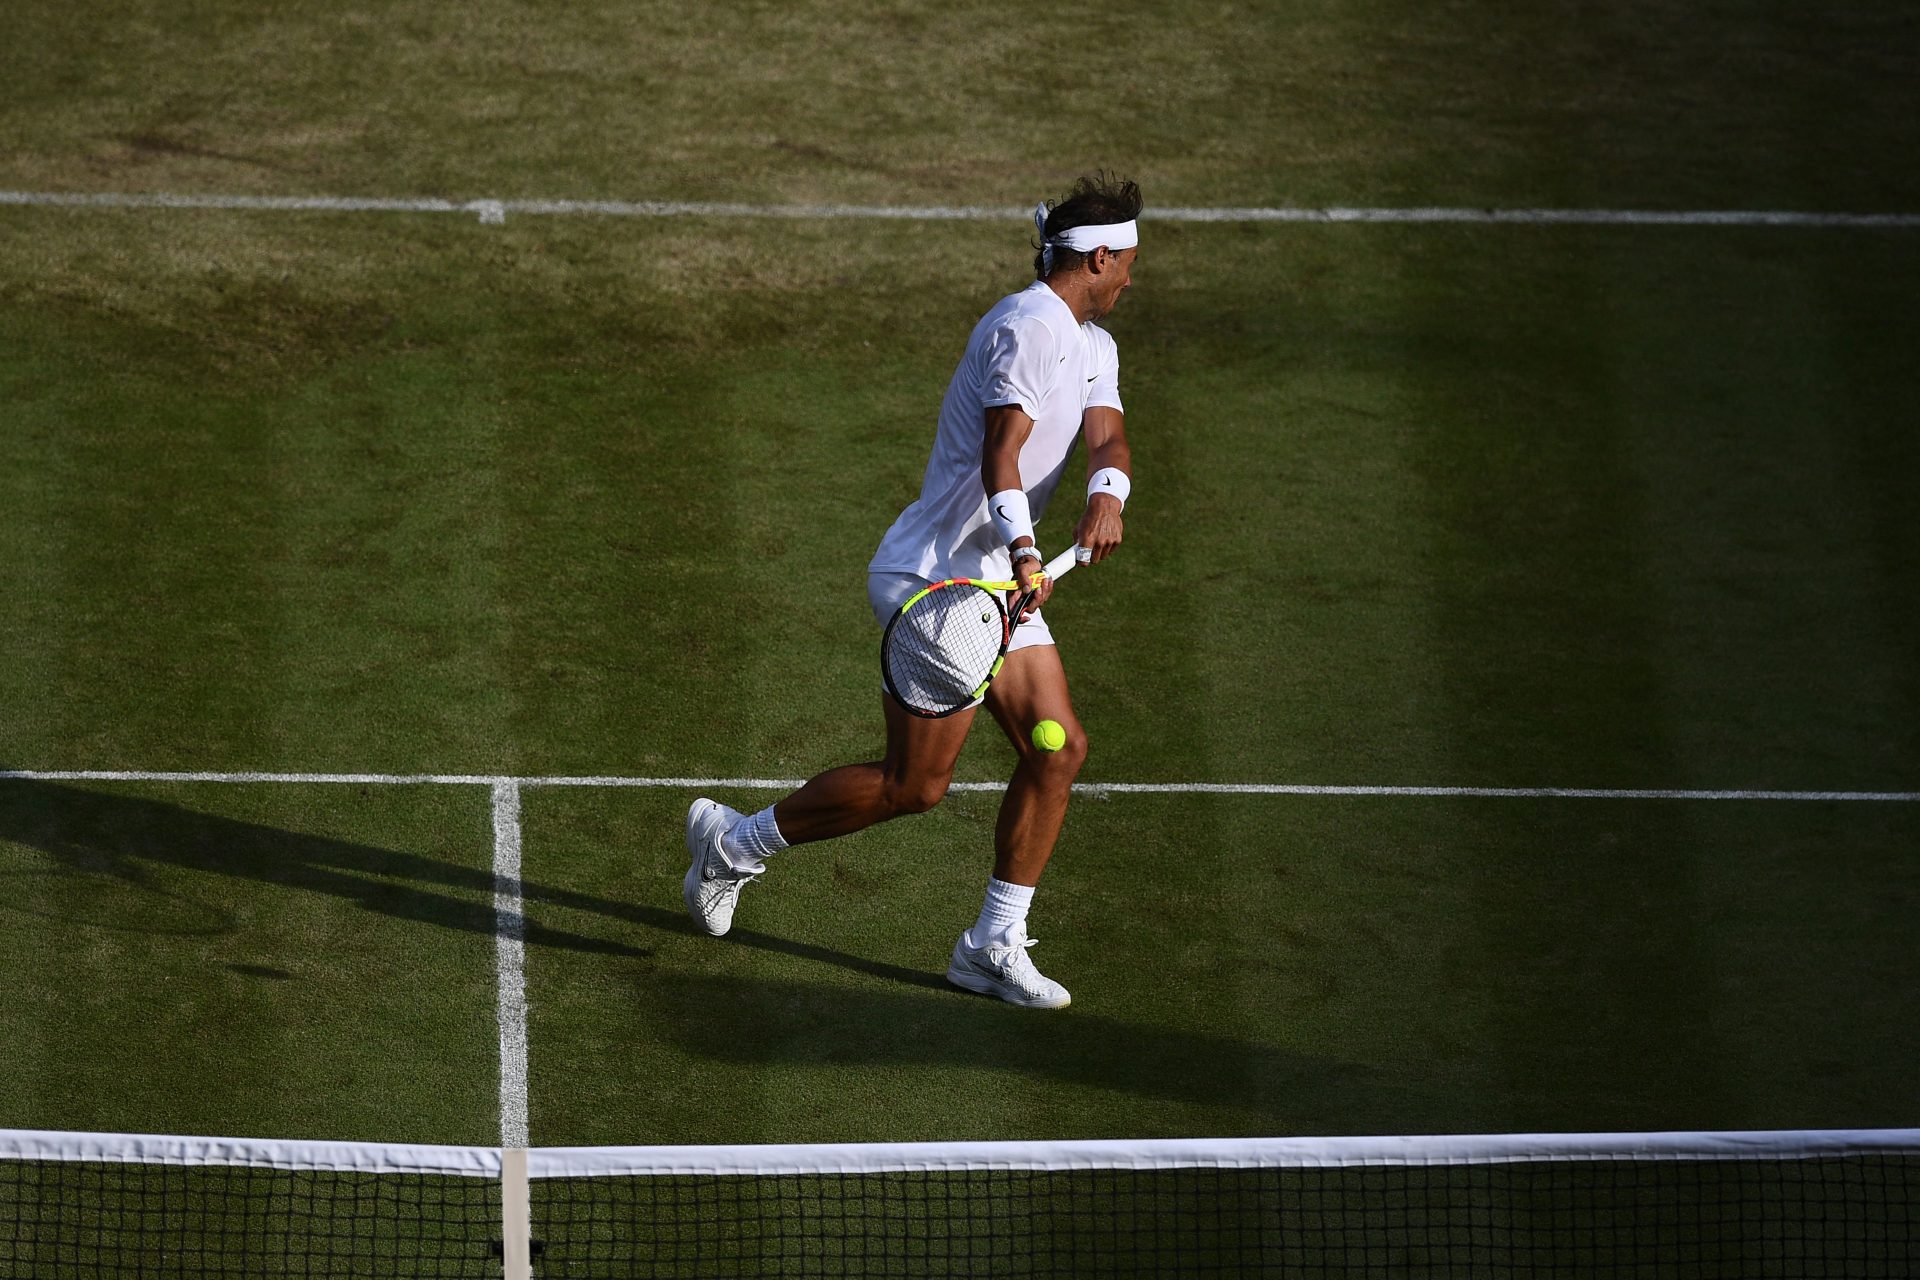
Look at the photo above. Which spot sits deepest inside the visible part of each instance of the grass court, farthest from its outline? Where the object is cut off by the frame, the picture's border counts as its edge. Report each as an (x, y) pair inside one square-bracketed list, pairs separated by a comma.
[(1483, 506)]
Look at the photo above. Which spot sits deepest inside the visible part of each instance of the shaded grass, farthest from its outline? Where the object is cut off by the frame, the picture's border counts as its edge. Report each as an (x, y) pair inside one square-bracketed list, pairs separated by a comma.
[(272, 961), (1329, 966)]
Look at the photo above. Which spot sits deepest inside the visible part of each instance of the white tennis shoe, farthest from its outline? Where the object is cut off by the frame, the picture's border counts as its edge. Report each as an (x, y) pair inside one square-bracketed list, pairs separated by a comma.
[(713, 884), (1001, 968)]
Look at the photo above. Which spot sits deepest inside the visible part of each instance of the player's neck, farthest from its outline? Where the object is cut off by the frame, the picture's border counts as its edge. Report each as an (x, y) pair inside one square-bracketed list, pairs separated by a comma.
[(1071, 289)]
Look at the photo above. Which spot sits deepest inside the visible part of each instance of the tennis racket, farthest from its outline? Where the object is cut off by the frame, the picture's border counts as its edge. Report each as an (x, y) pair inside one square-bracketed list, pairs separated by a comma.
[(944, 646)]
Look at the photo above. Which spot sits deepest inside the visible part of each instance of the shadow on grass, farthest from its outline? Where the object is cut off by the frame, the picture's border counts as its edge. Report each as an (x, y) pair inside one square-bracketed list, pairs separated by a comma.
[(111, 860), (760, 1022), (108, 854), (109, 850)]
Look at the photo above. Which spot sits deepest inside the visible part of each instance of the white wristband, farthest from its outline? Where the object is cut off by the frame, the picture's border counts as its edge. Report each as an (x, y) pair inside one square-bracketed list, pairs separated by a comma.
[(1012, 517), (1111, 481)]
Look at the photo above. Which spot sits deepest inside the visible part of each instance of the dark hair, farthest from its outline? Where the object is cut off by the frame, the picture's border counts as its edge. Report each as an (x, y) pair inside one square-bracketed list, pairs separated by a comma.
[(1096, 200)]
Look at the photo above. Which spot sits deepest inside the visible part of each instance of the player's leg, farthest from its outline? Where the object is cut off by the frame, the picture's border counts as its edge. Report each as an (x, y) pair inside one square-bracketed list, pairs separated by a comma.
[(991, 956), (1033, 687), (728, 848), (912, 778)]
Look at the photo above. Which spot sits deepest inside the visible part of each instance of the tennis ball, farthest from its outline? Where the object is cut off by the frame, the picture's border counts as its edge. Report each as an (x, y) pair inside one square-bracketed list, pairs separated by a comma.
[(1049, 736)]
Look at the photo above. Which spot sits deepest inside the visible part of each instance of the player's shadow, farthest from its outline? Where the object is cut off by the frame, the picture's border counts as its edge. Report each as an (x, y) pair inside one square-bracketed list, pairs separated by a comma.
[(110, 850), (754, 1021), (114, 861), (110, 861), (105, 855)]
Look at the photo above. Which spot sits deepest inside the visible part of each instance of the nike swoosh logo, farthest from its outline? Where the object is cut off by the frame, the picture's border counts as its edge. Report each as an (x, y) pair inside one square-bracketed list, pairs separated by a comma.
[(1094, 376), (1002, 509), (1108, 482)]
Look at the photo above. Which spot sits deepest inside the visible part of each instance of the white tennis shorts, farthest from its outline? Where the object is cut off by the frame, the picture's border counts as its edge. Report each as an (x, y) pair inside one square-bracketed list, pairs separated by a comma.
[(886, 592)]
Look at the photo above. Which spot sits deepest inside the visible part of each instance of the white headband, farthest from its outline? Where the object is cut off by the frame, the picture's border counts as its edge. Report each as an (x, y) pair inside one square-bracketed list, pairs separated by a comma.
[(1114, 235)]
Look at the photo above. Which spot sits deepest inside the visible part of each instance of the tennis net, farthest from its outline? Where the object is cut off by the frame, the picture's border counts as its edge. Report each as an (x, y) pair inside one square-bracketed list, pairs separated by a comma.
[(101, 1205), (1645, 1205)]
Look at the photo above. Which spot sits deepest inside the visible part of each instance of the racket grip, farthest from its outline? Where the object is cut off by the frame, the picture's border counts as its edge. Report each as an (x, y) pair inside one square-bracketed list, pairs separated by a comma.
[(1058, 566)]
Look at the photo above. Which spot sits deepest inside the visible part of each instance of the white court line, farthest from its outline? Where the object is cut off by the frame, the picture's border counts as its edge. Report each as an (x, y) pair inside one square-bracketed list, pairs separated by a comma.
[(510, 958), (1096, 789), (493, 211)]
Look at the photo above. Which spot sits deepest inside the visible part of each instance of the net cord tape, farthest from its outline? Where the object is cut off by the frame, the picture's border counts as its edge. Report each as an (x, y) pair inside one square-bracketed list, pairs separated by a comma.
[(811, 1158), (1206, 1153)]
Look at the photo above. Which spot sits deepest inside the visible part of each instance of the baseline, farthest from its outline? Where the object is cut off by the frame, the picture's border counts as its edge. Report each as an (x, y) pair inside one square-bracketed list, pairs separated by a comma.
[(494, 212)]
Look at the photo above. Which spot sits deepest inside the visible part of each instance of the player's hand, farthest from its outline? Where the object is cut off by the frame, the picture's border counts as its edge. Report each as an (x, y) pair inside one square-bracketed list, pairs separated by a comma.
[(1031, 574), (1100, 527)]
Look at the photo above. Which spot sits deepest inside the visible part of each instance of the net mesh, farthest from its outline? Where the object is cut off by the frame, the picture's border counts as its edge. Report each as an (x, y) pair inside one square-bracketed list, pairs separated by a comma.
[(61, 1218), (1769, 1205), (941, 648), (1765, 1218)]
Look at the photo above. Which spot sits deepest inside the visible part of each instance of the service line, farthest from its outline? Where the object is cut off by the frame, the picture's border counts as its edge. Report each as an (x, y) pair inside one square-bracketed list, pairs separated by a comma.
[(1096, 789)]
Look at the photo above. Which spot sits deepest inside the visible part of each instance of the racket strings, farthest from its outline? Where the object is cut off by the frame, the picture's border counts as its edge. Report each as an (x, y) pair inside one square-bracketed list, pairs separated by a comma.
[(943, 646)]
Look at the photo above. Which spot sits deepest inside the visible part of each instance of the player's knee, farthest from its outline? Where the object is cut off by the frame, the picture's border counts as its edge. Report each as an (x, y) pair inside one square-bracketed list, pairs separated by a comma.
[(1074, 753), (916, 795), (1066, 761)]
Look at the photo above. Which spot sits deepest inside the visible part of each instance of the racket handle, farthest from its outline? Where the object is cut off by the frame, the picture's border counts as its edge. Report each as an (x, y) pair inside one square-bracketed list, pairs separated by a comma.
[(1058, 566)]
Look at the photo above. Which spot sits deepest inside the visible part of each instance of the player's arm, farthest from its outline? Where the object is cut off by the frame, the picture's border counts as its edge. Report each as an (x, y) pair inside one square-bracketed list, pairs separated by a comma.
[(1109, 477), (1008, 427)]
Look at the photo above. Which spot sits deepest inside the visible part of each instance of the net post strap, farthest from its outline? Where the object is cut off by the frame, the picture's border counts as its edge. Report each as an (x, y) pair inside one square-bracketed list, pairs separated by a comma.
[(516, 1216)]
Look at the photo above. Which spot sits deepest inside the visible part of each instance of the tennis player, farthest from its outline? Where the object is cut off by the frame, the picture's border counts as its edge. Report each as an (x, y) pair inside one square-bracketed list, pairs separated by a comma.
[(1037, 374)]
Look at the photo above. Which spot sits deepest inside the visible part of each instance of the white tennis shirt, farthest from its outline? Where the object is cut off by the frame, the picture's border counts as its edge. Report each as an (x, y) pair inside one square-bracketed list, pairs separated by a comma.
[(1028, 350)]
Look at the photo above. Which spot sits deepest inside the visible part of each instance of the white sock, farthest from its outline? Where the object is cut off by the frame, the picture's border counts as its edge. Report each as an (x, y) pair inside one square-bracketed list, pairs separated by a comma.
[(753, 840), (1004, 910)]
